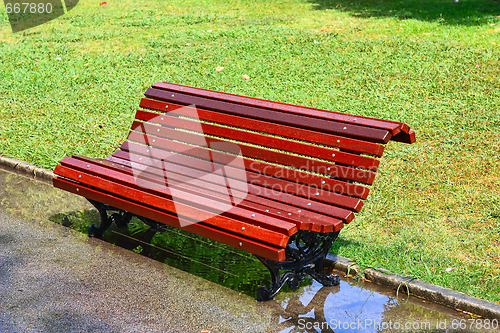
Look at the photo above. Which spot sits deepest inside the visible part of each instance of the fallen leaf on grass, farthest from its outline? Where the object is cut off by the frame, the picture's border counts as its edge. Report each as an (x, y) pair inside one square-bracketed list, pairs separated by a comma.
[(104, 3), (4, 138), (245, 77), (219, 68)]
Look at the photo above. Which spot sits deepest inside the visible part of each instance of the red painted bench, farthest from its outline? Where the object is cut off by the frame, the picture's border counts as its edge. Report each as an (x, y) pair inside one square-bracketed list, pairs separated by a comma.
[(273, 179)]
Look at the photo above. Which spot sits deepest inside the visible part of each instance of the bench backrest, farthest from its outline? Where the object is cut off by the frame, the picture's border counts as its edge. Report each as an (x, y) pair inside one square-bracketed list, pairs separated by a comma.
[(315, 160)]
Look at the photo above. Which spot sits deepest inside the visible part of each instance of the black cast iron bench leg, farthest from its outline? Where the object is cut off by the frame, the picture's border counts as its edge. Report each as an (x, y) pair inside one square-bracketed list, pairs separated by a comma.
[(306, 253), (121, 218)]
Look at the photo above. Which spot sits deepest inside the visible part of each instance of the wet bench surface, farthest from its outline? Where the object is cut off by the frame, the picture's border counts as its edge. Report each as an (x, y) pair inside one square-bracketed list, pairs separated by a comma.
[(273, 179)]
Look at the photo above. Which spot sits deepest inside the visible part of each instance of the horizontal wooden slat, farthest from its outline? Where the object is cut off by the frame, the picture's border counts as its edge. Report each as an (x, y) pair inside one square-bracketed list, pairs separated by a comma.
[(272, 184), (334, 211), (267, 127), (318, 194), (162, 137), (321, 125), (392, 126), (301, 217), (260, 170), (316, 181), (111, 181), (200, 187), (249, 245), (261, 140)]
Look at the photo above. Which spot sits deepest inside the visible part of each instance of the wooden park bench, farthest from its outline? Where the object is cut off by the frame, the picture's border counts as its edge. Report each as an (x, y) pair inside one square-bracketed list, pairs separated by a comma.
[(273, 179)]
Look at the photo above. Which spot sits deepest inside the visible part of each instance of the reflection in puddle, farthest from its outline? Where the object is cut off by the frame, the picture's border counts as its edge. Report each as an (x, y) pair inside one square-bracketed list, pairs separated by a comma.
[(303, 312), (350, 307), (213, 261)]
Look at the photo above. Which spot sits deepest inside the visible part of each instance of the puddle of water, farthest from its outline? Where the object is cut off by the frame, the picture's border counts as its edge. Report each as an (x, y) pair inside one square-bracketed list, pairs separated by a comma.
[(355, 307), (349, 307), (199, 256)]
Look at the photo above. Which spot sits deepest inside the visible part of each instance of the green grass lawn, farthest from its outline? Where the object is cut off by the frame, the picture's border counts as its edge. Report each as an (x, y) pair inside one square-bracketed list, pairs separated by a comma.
[(434, 211)]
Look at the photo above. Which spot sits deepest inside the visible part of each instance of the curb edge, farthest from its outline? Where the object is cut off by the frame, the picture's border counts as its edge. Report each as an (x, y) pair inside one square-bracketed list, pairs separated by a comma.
[(444, 296), (26, 170)]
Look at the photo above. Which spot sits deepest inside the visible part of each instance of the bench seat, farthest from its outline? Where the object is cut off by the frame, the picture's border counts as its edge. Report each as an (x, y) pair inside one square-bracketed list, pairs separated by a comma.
[(273, 179)]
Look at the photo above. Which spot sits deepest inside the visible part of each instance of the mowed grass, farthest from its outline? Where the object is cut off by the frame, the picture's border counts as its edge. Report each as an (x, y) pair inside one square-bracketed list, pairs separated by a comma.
[(434, 211)]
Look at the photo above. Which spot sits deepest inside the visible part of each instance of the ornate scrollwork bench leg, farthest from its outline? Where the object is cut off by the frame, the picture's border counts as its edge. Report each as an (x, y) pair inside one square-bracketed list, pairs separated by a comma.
[(305, 254), (121, 218)]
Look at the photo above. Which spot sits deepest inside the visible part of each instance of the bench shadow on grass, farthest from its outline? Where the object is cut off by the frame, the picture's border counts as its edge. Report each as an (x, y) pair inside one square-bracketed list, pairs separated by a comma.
[(210, 260), (446, 12)]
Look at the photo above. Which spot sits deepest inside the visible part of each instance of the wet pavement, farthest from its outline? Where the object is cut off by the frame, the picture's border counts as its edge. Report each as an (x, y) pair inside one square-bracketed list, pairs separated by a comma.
[(53, 278)]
